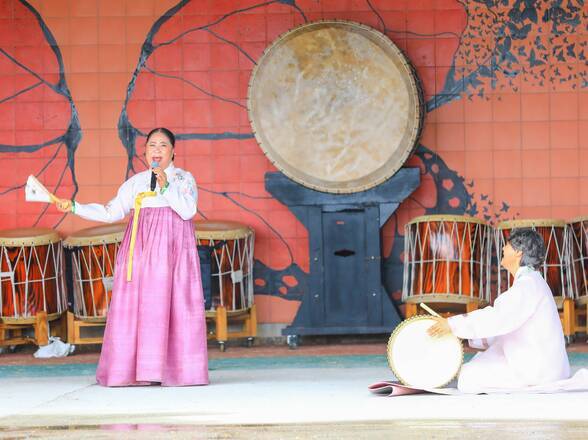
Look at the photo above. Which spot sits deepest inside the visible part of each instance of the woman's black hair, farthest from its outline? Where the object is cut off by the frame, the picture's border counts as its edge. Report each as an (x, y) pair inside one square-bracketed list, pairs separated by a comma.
[(166, 132)]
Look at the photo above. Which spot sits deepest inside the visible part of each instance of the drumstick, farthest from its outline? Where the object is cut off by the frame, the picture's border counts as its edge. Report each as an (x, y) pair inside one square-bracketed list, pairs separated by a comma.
[(430, 310)]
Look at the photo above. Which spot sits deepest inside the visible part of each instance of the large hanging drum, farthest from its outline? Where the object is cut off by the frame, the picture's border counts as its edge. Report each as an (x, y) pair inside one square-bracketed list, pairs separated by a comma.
[(93, 254), (335, 106), (31, 274), (447, 260), (555, 268)]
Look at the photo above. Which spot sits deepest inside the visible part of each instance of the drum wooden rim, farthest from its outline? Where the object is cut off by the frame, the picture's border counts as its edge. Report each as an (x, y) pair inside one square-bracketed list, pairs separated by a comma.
[(447, 218), (411, 133), (107, 234), (529, 223), (237, 313), (395, 334), (449, 298), (221, 230), (582, 300), (27, 321), (28, 237), (559, 301), (91, 319)]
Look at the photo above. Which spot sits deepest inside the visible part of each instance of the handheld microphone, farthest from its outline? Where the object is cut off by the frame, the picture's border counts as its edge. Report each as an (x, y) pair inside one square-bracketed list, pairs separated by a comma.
[(153, 176)]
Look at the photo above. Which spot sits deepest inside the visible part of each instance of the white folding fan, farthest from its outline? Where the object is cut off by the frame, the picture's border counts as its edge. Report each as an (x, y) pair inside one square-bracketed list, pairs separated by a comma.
[(36, 192)]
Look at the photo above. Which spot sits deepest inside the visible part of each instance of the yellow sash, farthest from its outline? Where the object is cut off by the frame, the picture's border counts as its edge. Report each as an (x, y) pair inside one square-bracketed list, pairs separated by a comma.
[(138, 201)]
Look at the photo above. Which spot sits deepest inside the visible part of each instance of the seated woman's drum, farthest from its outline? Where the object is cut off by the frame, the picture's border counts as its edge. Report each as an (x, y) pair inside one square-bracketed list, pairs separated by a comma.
[(31, 273), (93, 256), (421, 361), (555, 268), (231, 247), (447, 260), (578, 233)]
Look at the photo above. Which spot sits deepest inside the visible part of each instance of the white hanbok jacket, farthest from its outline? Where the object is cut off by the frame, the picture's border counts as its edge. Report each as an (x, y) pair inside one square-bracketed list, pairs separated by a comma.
[(522, 336), (181, 196)]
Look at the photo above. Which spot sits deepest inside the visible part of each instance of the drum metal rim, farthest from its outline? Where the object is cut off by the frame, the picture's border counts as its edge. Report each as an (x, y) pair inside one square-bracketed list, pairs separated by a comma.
[(393, 337), (226, 230), (352, 186), (447, 217), (529, 223), (28, 237), (78, 240)]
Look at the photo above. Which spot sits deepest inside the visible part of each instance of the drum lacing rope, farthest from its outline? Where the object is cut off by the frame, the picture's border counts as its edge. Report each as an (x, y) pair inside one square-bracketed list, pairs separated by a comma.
[(138, 201)]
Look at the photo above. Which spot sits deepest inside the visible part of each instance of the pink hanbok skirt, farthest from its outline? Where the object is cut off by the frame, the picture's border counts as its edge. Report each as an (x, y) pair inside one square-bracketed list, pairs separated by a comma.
[(156, 330)]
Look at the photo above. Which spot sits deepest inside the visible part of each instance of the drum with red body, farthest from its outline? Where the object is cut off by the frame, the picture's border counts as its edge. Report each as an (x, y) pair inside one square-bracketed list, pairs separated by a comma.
[(31, 274), (93, 254), (231, 246), (447, 260), (578, 239)]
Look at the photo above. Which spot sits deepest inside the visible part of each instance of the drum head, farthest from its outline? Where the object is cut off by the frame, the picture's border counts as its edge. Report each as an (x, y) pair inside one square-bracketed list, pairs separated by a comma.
[(581, 219), (221, 230), (421, 361), (28, 237), (446, 218), (335, 106), (105, 234), (531, 223)]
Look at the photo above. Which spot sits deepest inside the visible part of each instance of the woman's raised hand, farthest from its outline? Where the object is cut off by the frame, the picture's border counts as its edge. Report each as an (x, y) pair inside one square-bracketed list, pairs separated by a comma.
[(63, 205), (161, 176)]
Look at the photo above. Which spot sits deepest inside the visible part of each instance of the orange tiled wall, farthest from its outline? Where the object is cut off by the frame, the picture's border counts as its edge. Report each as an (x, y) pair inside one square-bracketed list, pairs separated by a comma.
[(505, 133)]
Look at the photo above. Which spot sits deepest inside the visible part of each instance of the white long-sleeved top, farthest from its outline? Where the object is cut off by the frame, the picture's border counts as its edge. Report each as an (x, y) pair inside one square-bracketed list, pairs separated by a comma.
[(523, 328), (181, 196)]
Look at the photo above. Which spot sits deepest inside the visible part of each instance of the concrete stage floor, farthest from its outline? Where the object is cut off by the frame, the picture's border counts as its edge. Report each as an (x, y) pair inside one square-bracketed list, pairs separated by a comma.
[(271, 392)]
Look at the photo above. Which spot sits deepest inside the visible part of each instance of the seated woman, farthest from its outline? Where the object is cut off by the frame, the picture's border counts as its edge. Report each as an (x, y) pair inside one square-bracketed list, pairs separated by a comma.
[(521, 335)]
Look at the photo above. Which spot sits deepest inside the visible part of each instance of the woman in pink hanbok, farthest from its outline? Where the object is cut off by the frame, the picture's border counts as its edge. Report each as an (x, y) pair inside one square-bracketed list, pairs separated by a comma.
[(521, 335), (156, 330)]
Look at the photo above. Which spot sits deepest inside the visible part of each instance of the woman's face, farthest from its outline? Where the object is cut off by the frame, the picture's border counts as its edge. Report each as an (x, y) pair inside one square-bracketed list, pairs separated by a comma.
[(511, 258), (159, 149)]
